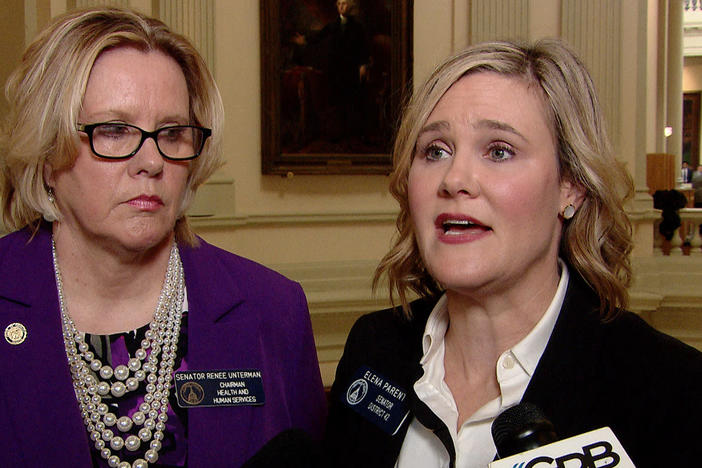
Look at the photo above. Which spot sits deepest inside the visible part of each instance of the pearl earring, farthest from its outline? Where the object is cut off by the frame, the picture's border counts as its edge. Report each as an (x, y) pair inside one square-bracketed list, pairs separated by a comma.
[(569, 211)]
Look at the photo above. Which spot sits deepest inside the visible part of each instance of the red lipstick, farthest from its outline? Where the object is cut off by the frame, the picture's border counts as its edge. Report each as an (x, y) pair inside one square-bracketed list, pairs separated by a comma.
[(455, 228)]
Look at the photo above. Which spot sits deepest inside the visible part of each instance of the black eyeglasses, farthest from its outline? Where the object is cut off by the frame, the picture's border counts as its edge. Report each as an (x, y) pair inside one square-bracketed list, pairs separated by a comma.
[(122, 141)]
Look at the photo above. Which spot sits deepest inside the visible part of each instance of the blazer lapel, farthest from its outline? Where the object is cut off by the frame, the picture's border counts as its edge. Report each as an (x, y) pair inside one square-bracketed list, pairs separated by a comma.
[(213, 299), (568, 368), (220, 337)]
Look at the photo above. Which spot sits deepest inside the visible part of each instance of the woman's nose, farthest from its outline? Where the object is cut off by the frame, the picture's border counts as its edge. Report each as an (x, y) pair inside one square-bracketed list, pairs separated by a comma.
[(460, 178), (147, 160)]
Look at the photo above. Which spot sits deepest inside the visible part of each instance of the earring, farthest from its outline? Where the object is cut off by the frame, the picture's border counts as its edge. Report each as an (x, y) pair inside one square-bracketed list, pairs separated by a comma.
[(569, 211), (50, 195)]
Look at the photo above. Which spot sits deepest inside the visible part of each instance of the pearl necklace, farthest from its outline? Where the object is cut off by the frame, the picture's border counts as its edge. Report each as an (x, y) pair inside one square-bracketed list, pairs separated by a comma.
[(149, 421)]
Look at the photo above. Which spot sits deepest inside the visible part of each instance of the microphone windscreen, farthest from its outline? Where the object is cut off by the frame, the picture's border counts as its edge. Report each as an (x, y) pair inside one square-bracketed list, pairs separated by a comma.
[(520, 428)]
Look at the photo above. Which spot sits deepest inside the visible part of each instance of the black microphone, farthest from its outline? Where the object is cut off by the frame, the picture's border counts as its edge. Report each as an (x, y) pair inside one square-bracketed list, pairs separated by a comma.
[(524, 437), (520, 428)]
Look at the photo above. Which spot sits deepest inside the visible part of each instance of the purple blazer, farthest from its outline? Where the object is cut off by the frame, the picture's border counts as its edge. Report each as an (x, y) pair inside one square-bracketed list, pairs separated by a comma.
[(241, 316)]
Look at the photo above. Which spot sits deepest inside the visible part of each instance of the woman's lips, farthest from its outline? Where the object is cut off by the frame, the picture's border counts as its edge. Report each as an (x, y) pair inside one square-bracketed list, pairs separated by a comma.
[(146, 202), (458, 228)]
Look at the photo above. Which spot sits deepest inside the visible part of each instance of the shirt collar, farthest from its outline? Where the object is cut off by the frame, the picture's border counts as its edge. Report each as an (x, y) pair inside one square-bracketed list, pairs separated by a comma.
[(435, 329), (528, 351)]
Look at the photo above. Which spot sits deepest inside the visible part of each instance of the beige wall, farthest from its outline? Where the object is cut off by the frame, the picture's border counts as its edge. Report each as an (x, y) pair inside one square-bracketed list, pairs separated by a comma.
[(692, 74), (321, 218), (11, 42)]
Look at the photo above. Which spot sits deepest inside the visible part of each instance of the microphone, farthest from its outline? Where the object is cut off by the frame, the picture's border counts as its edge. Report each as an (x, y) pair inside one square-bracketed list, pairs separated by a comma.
[(525, 438), (520, 428)]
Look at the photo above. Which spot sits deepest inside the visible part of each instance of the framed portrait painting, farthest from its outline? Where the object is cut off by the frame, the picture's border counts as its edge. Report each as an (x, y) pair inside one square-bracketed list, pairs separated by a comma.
[(333, 77)]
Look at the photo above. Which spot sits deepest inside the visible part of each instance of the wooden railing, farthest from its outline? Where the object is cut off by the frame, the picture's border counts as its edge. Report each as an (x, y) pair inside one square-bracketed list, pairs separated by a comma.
[(686, 239)]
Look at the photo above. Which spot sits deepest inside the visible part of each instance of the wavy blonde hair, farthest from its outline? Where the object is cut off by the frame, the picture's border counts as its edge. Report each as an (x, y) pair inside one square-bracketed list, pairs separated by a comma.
[(46, 91), (597, 240)]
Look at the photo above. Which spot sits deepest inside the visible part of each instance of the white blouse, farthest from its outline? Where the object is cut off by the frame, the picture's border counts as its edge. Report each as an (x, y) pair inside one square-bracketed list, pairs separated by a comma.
[(473, 441)]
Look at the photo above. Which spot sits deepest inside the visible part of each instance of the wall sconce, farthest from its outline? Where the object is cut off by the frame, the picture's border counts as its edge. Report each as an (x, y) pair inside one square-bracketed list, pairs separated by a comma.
[(668, 131)]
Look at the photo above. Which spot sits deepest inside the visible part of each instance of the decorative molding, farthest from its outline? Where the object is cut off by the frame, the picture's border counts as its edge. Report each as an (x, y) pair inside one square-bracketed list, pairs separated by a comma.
[(214, 199), (224, 221), (499, 19), (292, 219), (593, 29), (338, 293), (692, 28), (665, 293), (645, 215), (333, 287), (214, 207), (91, 3), (195, 20)]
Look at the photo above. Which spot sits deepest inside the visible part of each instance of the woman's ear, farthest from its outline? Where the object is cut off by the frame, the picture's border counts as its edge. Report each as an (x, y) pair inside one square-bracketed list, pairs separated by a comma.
[(571, 194), (48, 173)]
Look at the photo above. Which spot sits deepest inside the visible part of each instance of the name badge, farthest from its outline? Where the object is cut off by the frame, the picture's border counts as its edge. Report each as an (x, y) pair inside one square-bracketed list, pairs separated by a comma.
[(377, 399), (219, 388)]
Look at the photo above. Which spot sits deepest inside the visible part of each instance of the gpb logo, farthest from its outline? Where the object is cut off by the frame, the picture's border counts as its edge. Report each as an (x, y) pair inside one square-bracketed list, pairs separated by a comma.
[(598, 452)]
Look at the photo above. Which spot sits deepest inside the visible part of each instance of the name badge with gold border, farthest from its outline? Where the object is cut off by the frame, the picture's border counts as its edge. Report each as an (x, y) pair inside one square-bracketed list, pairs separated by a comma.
[(213, 388)]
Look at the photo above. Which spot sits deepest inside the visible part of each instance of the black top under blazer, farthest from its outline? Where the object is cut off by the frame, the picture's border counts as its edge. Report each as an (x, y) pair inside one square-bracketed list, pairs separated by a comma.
[(645, 385)]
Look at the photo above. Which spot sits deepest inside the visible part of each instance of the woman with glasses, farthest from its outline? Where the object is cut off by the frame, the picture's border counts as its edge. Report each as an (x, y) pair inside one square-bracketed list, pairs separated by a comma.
[(129, 341)]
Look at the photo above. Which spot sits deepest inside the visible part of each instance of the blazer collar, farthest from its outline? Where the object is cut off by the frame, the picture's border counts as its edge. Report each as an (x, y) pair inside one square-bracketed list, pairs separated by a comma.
[(211, 293), (570, 342), (570, 361), (28, 261), (566, 348), (220, 294)]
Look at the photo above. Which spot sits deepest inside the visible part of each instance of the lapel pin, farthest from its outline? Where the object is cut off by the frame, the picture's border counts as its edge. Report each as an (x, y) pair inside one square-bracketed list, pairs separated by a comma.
[(15, 333)]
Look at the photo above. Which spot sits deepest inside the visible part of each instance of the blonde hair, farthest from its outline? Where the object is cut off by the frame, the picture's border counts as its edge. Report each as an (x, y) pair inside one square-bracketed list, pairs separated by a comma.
[(596, 242), (46, 91)]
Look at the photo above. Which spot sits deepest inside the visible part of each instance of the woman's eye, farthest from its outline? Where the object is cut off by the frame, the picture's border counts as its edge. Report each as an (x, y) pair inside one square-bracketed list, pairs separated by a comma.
[(500, 153), (173, 133), (111, 131), (435, 153)]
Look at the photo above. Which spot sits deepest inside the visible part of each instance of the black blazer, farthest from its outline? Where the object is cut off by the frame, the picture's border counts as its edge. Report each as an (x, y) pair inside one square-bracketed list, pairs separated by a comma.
[(645, 385)]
